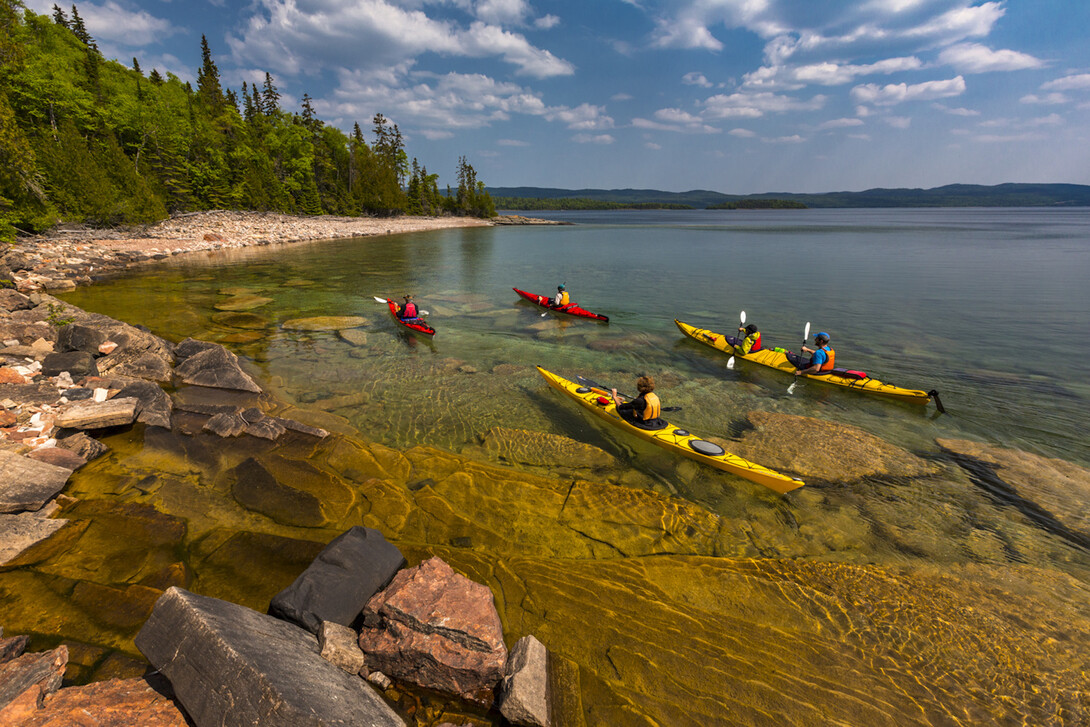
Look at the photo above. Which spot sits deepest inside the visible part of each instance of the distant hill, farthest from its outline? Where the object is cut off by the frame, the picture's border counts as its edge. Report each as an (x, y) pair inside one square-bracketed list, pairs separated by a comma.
[(951, 195)]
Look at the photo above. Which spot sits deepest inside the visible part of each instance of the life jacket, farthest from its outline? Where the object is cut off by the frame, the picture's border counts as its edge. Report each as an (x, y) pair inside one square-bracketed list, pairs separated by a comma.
[(563, 294), (830, 362), (408, 310), (756, 342), (654, 407)]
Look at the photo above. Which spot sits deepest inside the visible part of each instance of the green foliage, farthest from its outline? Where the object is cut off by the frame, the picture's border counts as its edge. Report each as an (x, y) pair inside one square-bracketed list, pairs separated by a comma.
[(760, 204), (56, 315), (581, 203), (87, 139)]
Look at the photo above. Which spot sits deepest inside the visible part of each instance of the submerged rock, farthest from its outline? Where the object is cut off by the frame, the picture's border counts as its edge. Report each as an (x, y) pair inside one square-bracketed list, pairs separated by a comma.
[(249, 321), (824, 450), (243, 303), (543, 449), (230, 665), (20, 532), (325, 323)]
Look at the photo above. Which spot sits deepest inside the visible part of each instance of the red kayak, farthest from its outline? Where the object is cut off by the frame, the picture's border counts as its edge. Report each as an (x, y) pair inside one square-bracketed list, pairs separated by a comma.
[(413, 324), (571, 309)]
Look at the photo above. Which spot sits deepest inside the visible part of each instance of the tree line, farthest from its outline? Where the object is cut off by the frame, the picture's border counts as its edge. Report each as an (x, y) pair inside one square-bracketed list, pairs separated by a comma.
[(86, 139)]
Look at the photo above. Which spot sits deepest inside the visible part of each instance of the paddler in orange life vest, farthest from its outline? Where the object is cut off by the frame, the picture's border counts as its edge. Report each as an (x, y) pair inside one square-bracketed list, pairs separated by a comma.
[(644, 410), (407, 311), (561, 300), (823, 358)]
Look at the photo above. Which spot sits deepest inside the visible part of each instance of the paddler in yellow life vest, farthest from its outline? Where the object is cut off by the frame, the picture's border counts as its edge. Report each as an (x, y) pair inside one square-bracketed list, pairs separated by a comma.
[(751, 342), (822, 359), (561, 300), (644, 410)]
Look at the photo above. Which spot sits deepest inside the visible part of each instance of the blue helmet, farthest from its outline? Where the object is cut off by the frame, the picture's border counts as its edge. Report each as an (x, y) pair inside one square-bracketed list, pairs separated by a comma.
[(821, 337), (560, 287)]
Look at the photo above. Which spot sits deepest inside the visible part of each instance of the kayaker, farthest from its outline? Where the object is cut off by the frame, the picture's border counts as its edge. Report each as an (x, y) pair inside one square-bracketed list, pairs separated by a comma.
[(407, 311), (822, 358), (561, 300), (750, 340), (644, 410)]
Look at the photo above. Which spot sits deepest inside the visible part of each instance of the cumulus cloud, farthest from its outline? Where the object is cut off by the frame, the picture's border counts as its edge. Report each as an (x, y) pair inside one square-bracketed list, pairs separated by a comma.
[(502, 12), (1076, 82), (1049, 99), (696, 79), (955, 111), (295, 36), (512, 142), (677, 121), (976, 58), (592, 139), (112, 22), (755, 105), (584, 117), (742, 133), (827, 73), (547, 22), (898, 122), (793, 139), (840, 123), (896, 93)]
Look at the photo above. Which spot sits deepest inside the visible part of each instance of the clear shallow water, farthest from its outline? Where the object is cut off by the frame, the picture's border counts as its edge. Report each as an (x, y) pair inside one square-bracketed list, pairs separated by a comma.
[(986, 306)]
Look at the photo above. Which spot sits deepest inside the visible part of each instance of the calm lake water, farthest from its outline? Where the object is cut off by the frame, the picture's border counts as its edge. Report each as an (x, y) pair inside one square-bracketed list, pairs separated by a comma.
[(989, 307)]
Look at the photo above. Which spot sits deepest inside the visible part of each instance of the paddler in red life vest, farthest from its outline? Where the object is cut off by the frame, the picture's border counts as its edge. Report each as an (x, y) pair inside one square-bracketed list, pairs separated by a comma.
[(751, 341), (644, 410), (407, 311), (561, 300), (822, 359)]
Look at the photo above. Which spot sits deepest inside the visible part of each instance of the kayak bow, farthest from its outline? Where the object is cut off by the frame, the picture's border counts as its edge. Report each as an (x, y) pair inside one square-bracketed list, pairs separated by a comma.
[(778, 360), (571, 309), (674, 439)]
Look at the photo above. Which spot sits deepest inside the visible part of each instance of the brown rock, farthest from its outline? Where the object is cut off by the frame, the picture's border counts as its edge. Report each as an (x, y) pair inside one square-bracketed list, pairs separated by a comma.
[(339, 646), (83, 445), (12, 647), (113, 703), (107, 347), (438, 629), (44, 669), (214, 237), (26, 484), (7, 418), (98, 414), (11, 300), (59, 457), (11, 376)]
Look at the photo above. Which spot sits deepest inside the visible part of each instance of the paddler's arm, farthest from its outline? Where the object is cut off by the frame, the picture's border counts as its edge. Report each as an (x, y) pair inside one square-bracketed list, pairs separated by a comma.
[(812, 368), (616, 399), (747, 343)]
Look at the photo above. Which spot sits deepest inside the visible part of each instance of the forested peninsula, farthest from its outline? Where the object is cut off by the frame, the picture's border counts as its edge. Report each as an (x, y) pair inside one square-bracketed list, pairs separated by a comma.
[(85, 139)]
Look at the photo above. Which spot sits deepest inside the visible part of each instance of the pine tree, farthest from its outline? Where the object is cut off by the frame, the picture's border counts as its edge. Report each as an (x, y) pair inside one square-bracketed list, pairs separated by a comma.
[(310, 120), (155, 78), (208, 80), (81, 30), (270, 98), (248, 110), (139, 75), (59, 17)]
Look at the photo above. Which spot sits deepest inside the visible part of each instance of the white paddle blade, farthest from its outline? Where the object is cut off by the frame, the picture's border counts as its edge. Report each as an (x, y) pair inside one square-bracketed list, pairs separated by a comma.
[(791, 388), (743, 317), (425, 313), (380, 300), (730, 362), (806, 333)]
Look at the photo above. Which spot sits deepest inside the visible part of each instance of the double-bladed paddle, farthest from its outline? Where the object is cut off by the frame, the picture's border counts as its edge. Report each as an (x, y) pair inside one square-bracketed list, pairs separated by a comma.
[(595, 385), (805, 337), (387, 301), (730, 361)]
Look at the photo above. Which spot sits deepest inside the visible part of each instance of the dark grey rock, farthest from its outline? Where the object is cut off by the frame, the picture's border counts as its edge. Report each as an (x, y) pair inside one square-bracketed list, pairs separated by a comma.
[(191, 346), (77, 363), (256, 489), (11, 300), (12, 647), (354, 566), (155, 405), (226, 424), (76, 337), (85, 446), (78, 393), (26, 484), (44, 668), (230, 666), (265, 428), (16, 261), (40, 392), (215, 367), (19, 532)]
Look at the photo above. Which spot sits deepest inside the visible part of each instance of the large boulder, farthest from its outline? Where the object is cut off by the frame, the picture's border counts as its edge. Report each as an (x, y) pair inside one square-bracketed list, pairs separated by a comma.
[(11, 300), (26, 484), (341, 580), (76, 337), (77, 363), (229, 665), (214, 366), (41, 670), (154, 405), (113, 703), (437, 629)]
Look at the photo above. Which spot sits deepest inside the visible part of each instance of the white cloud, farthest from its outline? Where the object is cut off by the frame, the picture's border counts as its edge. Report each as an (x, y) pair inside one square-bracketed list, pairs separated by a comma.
[(898, 122), (826, 73), (621, 97), (859, 137), (955, 111), (1008, 138), (755, 105), (295, 36), (896, 93), (502, 12), (512, 142), (584, 117), (793, 139), (1050, 120), (437, 134), (964, 22), (547, 22), (593, 139), (976, 58), (742, 133), (1076, 82), (652, 145), (840, 123), (1049, 99), (696, 79), (112, 22)]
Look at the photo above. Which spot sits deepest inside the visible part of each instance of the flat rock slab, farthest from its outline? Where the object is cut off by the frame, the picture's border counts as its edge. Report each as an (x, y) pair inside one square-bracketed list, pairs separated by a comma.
[(216, 367), (113, 703), (341, 580), (325, 323), (19, 532), (99, 414), (231, 666), (26, 484), (543, 449), (44, 669), (243, 303)]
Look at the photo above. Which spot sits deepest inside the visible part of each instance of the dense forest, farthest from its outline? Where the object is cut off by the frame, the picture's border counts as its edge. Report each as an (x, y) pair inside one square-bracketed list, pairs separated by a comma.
[(529, 204), (86, 139)]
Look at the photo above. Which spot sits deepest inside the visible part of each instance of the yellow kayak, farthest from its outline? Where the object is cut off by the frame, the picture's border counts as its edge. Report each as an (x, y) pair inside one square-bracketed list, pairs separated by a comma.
[(676, 440), (778, 360)]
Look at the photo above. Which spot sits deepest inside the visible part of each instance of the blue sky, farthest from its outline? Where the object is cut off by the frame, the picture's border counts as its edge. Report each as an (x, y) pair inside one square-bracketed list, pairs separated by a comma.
[(737, 96)]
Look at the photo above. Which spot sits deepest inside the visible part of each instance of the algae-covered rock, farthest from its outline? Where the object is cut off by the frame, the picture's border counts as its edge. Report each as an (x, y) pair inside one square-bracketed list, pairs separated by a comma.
[(233, 319), (543, 449), (259, 490), (824, 450), (325, 323), (243, 302), (1060, 488)]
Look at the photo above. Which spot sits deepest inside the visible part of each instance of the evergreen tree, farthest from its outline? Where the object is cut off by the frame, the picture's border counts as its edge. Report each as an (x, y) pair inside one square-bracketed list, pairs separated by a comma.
[(139, 75), (81, 31), (248, 110), (59, 17), (208, 80), (310, 120), (270, 98), (155, 77)]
